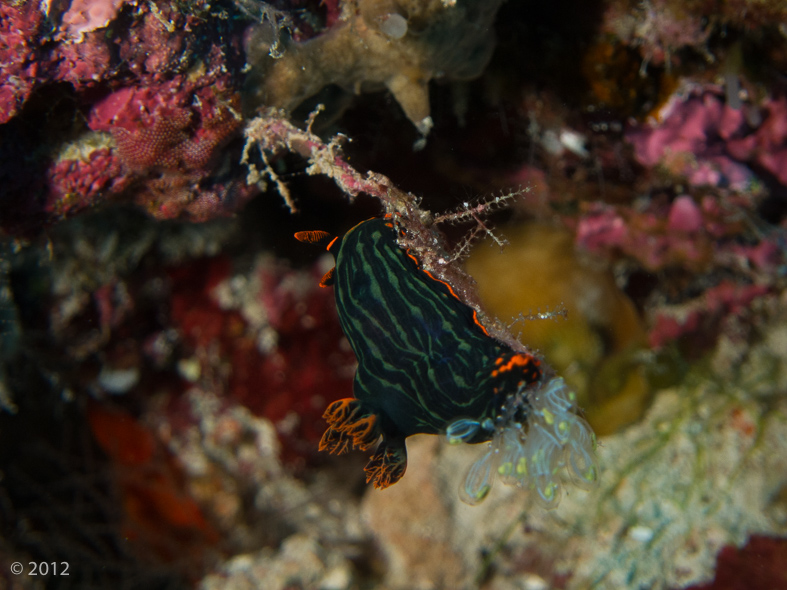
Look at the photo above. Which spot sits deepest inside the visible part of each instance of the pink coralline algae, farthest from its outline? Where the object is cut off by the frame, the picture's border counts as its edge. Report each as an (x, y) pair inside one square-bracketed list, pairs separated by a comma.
[(149, 101), (85, 16), (83, 64), (31, 56), (680, 233), (708, 142), (684, 215), (171, 42), (77, 183), (767, 146), (19, 68), (168, 137), (171, 126), (698, 328)]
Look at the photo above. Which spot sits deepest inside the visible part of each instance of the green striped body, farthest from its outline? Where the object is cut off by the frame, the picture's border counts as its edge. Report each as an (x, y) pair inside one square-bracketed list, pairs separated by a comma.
[(422, 359)]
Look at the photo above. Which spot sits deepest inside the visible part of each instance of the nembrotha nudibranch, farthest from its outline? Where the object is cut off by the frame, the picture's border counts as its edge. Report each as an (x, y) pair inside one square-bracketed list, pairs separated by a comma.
[(426, 364)]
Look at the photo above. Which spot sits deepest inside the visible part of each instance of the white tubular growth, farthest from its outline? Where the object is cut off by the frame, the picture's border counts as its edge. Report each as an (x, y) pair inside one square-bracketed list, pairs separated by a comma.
[(537, 450)]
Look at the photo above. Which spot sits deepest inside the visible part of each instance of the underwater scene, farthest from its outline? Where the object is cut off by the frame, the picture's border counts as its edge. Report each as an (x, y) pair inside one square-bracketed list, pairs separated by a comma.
[(393, 294)]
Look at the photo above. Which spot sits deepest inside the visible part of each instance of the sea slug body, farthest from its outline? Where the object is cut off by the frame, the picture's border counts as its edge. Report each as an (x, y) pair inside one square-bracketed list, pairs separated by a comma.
[(427, 365)]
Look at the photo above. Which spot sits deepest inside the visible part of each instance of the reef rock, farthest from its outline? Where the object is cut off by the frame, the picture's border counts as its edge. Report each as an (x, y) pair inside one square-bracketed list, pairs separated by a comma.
[(378, 44)]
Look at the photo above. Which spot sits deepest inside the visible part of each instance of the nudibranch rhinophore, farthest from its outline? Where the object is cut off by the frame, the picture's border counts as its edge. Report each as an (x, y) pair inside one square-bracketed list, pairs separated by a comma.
[(426, 364)]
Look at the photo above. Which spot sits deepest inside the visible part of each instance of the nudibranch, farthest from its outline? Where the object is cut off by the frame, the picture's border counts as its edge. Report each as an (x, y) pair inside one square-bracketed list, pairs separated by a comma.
[(426, 364)]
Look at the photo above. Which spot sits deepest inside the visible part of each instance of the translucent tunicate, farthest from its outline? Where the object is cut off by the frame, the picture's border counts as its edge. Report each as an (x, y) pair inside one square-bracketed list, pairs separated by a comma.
[(462, 430), (479, 479), (551, 445)]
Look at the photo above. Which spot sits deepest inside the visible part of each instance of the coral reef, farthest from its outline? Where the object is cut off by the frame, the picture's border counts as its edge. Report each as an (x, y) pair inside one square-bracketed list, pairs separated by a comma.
[(277, 333), (166, 352), (270, 340), (168, 136), (399, 46), (18, 66), (86, 16), (131, 102), (307, 539), (712, 142), (163, 80), (660, 525)]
